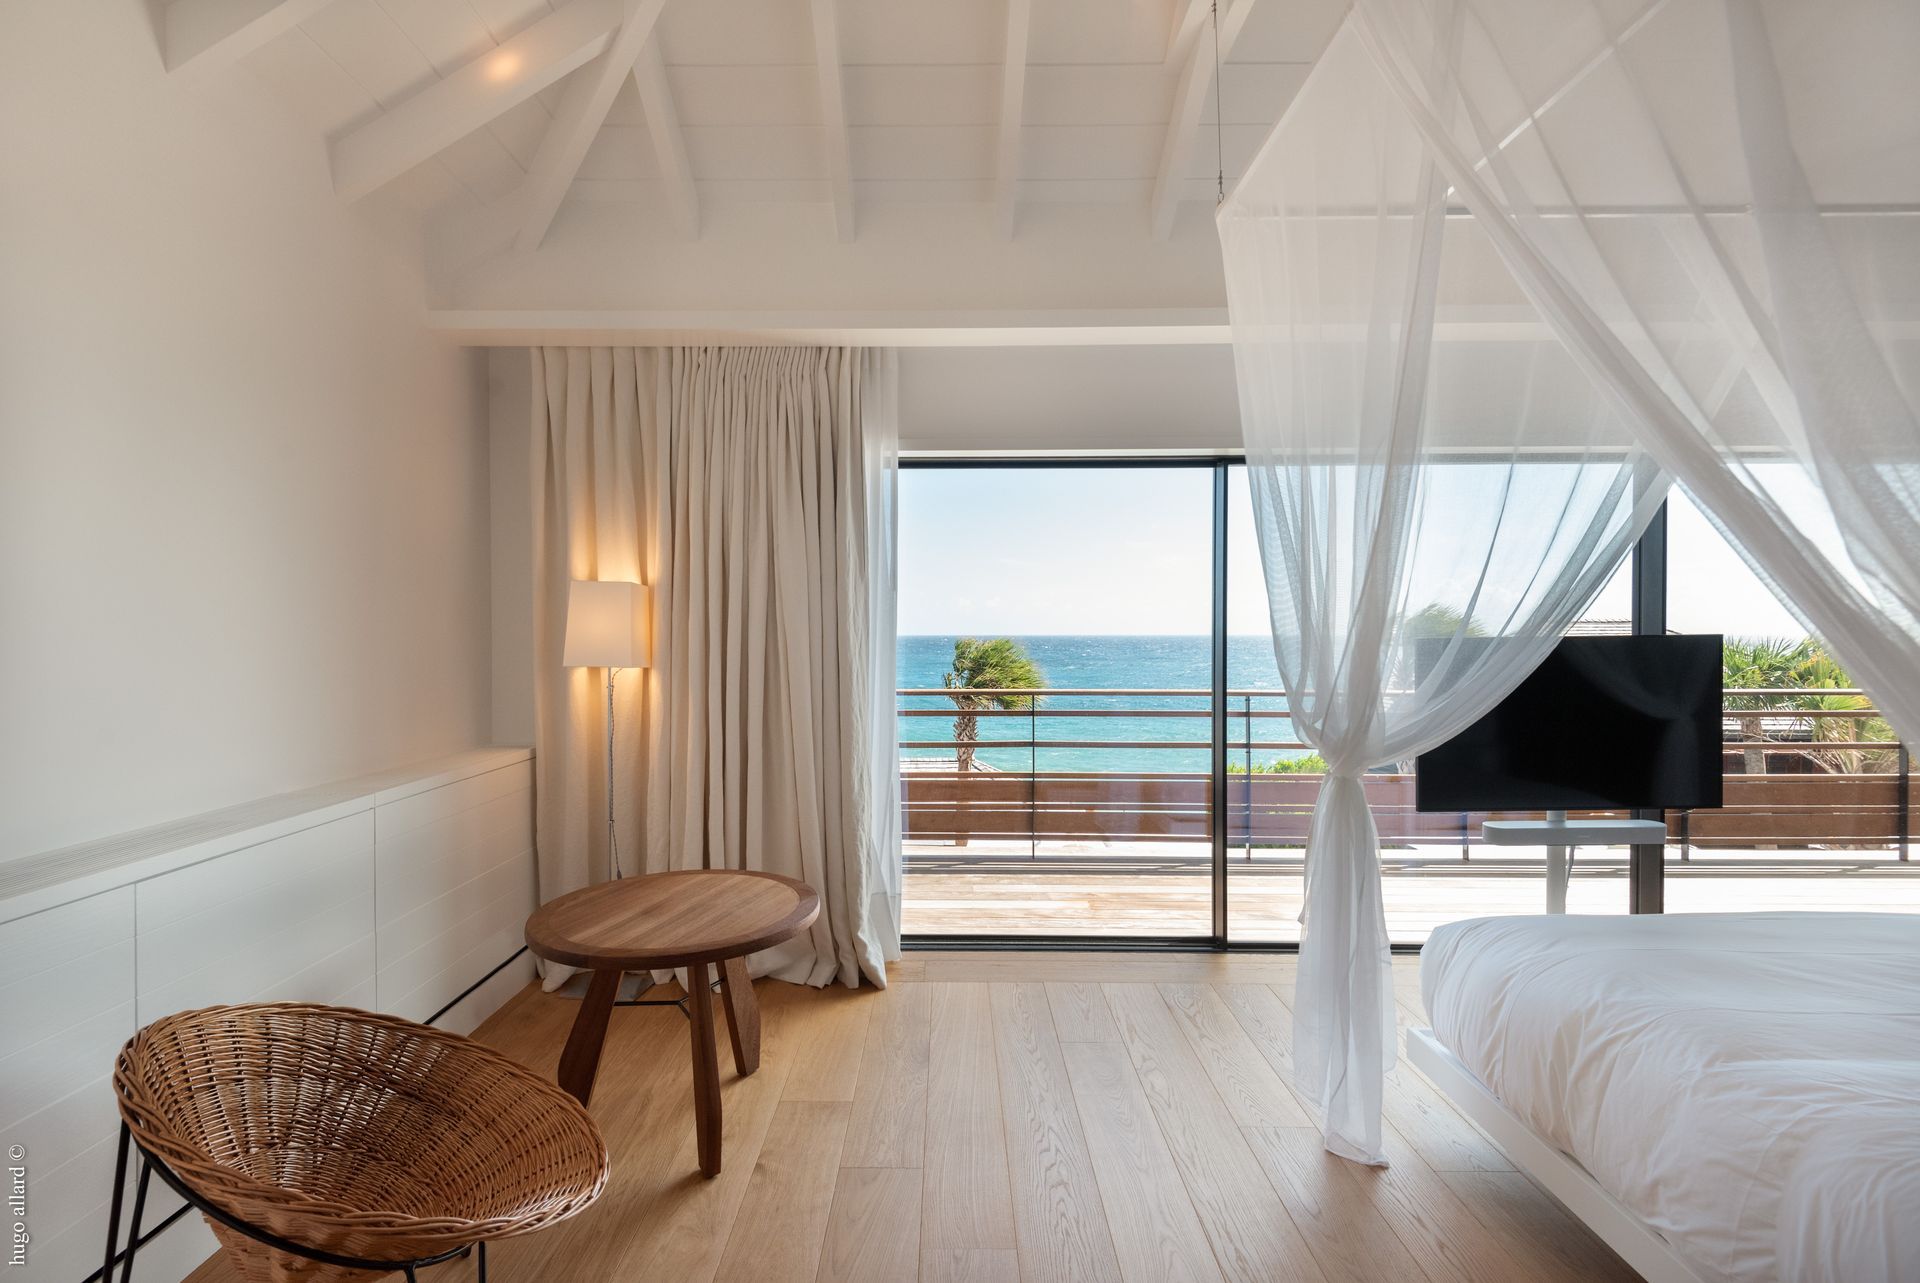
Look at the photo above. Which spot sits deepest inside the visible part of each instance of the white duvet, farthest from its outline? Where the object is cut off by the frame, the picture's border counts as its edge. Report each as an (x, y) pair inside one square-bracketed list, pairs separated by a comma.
[(1748, 1083)]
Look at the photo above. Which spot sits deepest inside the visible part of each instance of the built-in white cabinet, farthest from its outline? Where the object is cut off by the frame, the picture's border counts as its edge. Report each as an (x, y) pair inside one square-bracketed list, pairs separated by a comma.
[(65, 1008), (453, 887), (287, 920), (399, 897)]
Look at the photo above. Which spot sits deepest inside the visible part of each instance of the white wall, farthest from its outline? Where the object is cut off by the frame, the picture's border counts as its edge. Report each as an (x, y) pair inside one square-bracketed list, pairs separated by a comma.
[(243, 497), (509, 414), (1008, 400)]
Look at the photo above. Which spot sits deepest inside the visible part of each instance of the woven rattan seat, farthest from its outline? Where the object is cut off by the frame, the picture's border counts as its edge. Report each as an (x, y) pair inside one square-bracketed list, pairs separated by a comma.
[(357, 1134)]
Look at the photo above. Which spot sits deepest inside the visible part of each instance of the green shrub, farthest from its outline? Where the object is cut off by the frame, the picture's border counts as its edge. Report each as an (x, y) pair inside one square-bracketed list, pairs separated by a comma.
[(1311, 764)]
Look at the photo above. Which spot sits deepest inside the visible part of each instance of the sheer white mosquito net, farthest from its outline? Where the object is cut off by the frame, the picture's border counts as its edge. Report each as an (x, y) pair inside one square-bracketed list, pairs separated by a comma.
[(1503, 268)]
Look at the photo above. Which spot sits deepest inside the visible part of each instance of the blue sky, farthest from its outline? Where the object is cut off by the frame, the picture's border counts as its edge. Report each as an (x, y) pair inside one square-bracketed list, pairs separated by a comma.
[(1022, 551), (1025, 551)]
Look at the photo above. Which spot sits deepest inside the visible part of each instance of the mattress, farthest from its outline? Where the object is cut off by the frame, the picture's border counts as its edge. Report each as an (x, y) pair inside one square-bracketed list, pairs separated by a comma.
[(1747, 1083)]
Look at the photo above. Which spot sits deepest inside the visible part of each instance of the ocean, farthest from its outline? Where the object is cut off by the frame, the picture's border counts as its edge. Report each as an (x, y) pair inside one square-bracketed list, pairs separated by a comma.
[(1105, 662)]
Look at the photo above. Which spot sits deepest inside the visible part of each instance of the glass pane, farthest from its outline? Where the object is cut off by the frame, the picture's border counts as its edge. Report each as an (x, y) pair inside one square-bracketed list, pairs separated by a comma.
[(1273, 779), (1082, 809), (1815, 814), (1434, 866)]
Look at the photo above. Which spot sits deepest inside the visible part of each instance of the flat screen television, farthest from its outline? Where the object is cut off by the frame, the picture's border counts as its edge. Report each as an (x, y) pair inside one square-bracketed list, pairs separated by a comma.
[(1605, 723)]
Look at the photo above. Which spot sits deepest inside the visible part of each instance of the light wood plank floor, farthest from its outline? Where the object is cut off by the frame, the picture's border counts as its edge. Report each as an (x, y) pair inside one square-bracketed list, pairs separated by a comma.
[(996, 1117)]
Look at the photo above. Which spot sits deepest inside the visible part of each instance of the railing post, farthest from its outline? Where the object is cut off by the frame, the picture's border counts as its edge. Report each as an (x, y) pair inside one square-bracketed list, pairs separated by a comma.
[(1903, 797), (1033, 779), (1246, 727)]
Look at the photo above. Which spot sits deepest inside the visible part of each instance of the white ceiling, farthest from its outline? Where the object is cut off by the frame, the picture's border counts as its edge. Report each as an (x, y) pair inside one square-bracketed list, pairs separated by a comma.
[(859, 170), (1069, 123)]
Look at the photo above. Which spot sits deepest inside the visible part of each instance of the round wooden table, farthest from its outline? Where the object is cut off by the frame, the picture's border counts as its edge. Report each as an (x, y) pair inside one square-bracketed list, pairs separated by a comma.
[(658, 921)]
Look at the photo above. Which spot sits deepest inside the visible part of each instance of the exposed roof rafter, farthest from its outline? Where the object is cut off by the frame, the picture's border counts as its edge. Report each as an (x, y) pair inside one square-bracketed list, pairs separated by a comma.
[(1188, 17), (669, 144), (833, 115), (1013, 90), (582, 112), (387, 146), (208, 34), (1189, 101)]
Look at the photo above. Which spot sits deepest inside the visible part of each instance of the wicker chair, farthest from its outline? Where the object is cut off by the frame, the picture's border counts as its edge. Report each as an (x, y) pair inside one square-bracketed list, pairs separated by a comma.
[(355, 1139)]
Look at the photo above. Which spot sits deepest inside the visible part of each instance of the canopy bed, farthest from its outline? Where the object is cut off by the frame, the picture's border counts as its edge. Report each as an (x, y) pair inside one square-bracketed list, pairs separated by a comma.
[(1722, 1096), (1505, 271)]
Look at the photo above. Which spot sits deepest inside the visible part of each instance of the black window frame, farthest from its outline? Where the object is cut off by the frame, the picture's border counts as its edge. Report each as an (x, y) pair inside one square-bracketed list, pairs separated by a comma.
[(1647, 865)]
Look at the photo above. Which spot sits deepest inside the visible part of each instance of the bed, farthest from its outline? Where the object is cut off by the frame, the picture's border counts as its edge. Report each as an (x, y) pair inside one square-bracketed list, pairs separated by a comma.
[(1720, 1096)]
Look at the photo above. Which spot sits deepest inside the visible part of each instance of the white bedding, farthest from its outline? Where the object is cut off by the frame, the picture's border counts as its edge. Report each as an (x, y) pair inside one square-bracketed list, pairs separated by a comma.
[(1747, 1083)]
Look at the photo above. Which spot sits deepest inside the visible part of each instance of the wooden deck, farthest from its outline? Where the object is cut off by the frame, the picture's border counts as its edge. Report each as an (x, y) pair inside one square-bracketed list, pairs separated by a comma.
[(1139, 894)]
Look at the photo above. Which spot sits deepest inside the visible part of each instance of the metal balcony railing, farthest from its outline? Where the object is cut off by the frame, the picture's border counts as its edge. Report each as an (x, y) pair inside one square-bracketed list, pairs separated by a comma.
[(1801, 774)]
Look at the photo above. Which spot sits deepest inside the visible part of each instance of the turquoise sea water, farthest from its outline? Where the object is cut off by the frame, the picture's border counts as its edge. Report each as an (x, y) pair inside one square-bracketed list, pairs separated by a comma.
[(1105, 662)]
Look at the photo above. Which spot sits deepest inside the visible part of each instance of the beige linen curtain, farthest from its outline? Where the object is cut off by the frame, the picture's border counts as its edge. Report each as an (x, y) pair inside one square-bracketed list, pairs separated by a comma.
[(753, 489)]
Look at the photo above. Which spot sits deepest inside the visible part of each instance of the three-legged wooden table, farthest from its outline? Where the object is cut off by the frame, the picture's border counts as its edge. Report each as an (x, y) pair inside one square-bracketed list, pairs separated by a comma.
[(693, 919)]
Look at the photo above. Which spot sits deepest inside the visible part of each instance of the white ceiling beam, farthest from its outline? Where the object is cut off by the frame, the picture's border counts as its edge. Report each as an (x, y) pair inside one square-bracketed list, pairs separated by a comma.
[(583, 110), (970, 328), (1188, 15), (209, 34), (833, 115), (387, 146), (669, 144), (1018, 327), (1013, 91), (1189, 102)]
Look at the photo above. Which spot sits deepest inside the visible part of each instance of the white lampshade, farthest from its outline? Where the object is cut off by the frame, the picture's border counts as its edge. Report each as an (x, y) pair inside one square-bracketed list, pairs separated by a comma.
[(606, 625)]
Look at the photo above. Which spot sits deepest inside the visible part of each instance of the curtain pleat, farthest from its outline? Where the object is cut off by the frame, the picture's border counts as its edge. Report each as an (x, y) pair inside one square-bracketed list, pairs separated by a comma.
[(1433, 510), (1757, 339), (741, 484)]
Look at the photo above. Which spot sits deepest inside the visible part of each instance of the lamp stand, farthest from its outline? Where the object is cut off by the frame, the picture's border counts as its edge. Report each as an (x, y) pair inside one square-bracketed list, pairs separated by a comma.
[(613, 836)]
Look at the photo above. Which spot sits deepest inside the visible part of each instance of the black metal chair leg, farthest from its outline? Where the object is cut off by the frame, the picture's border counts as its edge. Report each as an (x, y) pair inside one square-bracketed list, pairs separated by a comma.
[(149, 1165), (113, 1208), (133, 1231)]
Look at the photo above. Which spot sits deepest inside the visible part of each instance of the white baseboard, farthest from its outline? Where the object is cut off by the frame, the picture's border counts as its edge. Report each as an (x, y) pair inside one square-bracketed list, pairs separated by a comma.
[(470, 1012)]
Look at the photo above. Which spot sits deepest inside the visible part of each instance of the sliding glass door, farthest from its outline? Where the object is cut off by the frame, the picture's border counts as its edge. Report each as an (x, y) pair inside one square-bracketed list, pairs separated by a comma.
[(1056, 703), (1094, 741), (1434, 866), (1817, 812)]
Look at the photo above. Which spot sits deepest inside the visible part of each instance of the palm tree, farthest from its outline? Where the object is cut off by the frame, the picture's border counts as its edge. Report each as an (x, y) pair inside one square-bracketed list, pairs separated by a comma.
[(1438, 620), (993, 669), (1761, 663)]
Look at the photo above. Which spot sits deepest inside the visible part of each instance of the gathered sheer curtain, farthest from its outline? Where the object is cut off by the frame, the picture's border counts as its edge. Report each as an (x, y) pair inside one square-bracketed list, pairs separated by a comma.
[(1436, 496), (1502, 268), (1716, 204), (755, 490)]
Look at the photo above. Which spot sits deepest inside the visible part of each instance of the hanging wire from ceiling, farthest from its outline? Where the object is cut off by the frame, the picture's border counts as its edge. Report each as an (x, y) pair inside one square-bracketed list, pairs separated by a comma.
[(1219, 115)]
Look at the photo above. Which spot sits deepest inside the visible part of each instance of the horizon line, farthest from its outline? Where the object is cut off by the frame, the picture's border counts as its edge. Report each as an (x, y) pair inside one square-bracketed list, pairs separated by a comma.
[(990, 632)]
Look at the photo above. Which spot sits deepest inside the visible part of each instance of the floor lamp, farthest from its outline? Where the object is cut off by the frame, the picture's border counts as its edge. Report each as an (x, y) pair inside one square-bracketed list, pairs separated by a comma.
[(607, 628)]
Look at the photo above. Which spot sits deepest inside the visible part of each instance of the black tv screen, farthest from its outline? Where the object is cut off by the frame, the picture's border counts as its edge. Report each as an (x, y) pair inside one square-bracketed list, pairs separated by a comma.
[(1604, 723)]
